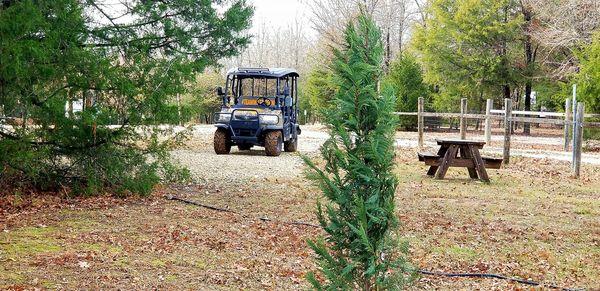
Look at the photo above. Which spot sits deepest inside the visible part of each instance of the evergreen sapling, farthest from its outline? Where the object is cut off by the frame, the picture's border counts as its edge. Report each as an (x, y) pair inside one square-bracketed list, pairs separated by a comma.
[(359, 249)]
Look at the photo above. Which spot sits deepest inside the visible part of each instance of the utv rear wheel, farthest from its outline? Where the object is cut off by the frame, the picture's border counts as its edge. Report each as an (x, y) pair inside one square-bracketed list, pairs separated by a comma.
[(291, 146), (273, 141), (244, 147), (221, 142)]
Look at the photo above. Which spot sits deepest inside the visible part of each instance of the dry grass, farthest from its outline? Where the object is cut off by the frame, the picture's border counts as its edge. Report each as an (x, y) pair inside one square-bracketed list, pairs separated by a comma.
[(532, 221)]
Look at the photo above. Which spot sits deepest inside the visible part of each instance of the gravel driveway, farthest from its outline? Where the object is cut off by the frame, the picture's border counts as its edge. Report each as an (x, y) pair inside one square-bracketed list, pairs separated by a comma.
[(248, 166), (253, 165)]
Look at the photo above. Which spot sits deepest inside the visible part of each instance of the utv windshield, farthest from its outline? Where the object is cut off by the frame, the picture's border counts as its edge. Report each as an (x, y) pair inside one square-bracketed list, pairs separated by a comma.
[(256, 91)]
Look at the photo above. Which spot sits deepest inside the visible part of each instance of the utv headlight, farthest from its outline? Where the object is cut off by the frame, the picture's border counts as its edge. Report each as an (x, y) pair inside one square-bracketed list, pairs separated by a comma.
[(269, 119), (223, 117)]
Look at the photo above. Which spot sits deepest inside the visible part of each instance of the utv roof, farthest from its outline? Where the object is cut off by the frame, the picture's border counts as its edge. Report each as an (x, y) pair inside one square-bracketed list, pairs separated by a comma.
[(265, 72)]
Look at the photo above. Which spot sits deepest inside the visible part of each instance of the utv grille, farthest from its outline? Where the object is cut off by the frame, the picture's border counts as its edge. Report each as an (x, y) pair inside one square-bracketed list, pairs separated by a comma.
[(245, 132)]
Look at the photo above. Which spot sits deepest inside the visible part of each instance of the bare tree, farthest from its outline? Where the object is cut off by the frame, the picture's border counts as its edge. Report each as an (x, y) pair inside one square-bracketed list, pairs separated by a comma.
[(276, 47), (420, 9), (392, 16), (561, 28)]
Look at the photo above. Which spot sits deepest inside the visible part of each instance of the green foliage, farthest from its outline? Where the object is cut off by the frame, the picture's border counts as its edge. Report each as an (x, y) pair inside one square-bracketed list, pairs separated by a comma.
[(468, 49), (319, 90), (592, 133), (588, 80), (304, 103), (588, 77), (406, 77), (358, 251), (202, 98), (54, 52), (551, 95)]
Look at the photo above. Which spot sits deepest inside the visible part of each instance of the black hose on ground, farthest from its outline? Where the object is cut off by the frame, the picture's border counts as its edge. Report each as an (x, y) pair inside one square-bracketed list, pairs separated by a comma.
[(424, 272), (495, 276), (170, 197)]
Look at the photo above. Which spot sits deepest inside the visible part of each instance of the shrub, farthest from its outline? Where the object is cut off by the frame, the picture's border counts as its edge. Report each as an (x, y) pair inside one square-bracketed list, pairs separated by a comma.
[(406, 78)]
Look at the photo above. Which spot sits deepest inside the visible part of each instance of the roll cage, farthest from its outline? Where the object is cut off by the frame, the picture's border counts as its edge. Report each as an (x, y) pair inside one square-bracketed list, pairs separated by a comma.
[(255, 83)]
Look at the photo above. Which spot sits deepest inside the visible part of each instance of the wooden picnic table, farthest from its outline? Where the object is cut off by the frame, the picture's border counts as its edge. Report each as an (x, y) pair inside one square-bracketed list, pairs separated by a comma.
[(470, 158)]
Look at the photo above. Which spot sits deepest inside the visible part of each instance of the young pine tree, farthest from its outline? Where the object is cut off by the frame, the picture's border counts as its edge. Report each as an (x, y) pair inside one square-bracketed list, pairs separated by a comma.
[(357, 251)]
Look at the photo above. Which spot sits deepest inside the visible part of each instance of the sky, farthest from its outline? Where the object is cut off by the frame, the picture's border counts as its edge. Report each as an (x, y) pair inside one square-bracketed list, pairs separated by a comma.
[(281, 13)]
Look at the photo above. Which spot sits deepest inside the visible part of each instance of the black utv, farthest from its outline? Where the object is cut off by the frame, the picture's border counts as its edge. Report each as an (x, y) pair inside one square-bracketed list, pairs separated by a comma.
[(260, 108)]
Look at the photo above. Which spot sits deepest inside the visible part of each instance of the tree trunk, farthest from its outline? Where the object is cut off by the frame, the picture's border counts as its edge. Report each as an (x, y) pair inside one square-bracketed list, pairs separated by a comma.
[(526, 125), (401, 24), (70, 109), (506, 90), (388, 51), (529, 62)]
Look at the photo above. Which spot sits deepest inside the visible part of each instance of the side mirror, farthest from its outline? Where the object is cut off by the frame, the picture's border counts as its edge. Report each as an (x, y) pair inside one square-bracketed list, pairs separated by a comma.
[(220, 91)]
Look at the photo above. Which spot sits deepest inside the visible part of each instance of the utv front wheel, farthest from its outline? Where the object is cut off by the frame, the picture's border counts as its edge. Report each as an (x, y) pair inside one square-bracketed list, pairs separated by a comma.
[(291, 146), (273, 141), (221, 142)]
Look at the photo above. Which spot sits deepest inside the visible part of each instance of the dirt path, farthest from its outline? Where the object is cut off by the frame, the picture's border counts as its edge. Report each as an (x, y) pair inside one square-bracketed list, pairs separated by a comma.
[(523, 146)]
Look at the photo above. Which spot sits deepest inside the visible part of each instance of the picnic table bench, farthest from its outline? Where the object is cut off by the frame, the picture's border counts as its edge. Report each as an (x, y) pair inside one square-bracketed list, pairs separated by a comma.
[(470, 158)]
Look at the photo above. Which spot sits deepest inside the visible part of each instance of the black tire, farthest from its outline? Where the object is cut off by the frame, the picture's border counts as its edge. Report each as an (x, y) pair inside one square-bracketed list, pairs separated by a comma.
[(221, 142), (273, 141), (244, 147), (291, 146)]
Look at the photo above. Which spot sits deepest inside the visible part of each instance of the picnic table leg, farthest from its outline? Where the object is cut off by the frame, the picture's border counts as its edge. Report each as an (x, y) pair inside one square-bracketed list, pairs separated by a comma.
[(479, 165), (465, 153), (433, 169), (446, 161)]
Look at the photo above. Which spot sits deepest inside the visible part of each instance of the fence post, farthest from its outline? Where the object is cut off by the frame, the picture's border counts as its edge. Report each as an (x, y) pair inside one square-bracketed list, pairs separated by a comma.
[(567, 121), (577, 145), (574, 116), (488, 121), (507, 129), (420, 120), (463, 120)]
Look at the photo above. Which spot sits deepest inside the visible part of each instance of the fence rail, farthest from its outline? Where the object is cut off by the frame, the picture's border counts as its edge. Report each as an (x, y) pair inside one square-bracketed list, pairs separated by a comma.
[(540, 120), (534, 113), (542, 113), (572, 121)]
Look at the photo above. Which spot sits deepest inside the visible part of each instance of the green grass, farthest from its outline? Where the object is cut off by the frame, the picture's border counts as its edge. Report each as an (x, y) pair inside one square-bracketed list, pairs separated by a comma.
[(28, 241), (591, 133), (100, 248)]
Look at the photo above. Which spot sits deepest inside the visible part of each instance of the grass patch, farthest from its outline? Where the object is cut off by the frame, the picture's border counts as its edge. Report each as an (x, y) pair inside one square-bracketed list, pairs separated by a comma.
[(8, 278), (463, 253), (591, 133), (170, 278), (122, 262), (100, 248), (28, 241), (80, 221), (158, 263)]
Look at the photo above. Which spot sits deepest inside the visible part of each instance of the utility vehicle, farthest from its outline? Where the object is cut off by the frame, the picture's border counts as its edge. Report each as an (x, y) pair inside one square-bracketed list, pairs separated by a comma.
[(260, 108)]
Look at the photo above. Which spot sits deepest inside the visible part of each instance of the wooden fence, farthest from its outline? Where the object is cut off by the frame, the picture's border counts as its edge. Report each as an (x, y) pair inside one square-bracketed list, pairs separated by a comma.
[(571, 118)]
